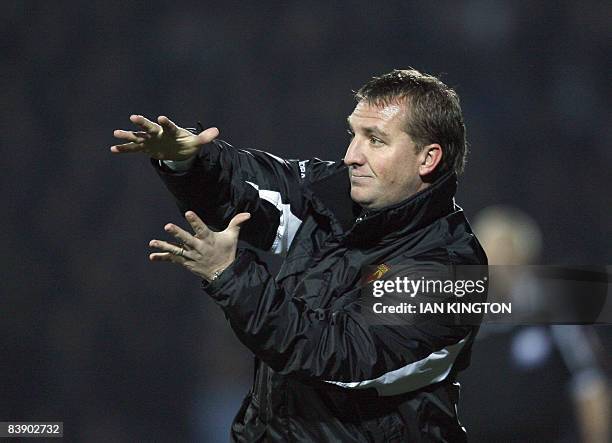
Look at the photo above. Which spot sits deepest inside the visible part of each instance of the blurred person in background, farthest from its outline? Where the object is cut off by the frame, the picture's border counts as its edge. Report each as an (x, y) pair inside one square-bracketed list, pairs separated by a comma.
[(541, 382), (324, 372)]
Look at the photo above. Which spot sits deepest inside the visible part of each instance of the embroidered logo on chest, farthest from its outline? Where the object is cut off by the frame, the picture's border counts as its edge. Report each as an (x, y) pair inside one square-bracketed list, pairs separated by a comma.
[(381, 270)]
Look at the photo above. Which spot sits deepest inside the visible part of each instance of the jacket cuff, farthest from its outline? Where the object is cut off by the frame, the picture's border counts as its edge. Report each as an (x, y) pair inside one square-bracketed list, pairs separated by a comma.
[(220, 288), (179, 165), (207, 158)]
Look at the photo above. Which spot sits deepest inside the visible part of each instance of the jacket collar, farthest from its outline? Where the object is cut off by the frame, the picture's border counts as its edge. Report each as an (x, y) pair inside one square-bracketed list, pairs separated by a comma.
[(331, 198)]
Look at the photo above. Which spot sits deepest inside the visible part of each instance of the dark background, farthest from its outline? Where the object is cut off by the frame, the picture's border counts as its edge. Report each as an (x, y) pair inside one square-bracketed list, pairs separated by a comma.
[(93, 334)]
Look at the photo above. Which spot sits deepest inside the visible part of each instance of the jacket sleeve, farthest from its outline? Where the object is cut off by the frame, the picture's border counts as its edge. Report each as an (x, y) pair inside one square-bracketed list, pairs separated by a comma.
[(343, 346), (225, 181)]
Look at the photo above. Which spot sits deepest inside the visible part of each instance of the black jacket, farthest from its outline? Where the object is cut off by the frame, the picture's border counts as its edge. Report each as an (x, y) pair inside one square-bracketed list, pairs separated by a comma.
[(324, 370)]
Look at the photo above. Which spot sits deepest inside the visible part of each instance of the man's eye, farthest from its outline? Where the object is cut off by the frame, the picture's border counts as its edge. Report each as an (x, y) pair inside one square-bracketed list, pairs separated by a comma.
[(376, 141), (350, 133)]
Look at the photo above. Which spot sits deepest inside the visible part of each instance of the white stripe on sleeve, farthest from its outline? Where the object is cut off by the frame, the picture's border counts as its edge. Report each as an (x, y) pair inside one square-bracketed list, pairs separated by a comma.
[(288, 224)]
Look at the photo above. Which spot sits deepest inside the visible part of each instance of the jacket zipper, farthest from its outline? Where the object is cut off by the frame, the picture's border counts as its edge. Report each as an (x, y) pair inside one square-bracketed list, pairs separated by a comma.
[(362, 217)]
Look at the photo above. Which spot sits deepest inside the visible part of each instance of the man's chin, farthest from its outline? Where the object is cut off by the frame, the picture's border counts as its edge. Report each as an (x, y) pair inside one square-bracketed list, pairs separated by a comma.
[(360, 199)]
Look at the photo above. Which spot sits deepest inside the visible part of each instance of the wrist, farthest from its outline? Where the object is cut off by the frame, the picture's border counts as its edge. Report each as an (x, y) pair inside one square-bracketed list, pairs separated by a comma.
[(215, 274), (181, 165), (230, 276)]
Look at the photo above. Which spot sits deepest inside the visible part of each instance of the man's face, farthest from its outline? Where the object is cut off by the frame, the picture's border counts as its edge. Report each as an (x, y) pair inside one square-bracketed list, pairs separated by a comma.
[(383, 166)]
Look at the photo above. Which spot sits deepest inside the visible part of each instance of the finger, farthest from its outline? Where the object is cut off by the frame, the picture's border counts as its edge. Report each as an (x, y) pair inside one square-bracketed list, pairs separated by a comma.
[(129, 135), (172, 249), (182, 235), (236, 222), (127, 148), (198, 226), (166, 256), (165, 246), (145, 124), (207, 136), (168, 125), (142, 134)]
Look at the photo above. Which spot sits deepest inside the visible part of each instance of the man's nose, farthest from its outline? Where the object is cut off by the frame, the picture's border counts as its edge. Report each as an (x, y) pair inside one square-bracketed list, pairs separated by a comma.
[(354, 155)]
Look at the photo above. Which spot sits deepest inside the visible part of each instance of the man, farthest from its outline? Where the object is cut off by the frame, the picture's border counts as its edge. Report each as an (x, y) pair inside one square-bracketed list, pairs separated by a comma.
[(325, 371)]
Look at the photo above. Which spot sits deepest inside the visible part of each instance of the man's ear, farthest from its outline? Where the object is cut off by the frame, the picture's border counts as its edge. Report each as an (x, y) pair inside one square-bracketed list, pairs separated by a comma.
[(429, 158)]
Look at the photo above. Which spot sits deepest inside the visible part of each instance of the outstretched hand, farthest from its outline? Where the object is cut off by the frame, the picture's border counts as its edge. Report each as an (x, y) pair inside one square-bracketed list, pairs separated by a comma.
[(207, 253), (163, 140)]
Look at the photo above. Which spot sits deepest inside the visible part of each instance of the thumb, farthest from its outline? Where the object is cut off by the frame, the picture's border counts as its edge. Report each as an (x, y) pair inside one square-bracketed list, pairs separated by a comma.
[(207, 136), (236, 222)]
